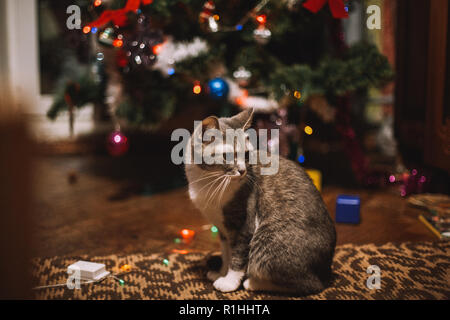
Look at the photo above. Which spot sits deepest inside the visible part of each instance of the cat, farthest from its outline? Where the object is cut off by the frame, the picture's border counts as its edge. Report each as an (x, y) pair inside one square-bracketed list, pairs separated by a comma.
[(275, 230)]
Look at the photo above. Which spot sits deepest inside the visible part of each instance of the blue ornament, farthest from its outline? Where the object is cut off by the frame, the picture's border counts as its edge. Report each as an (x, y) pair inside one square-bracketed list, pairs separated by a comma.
[(218, 88)]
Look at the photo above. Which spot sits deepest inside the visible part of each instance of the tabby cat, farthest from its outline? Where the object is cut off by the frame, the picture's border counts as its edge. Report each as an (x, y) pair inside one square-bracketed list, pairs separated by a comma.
[(275, 231)]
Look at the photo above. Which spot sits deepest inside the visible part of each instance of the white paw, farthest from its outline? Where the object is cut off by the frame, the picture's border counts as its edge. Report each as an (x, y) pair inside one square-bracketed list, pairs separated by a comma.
[(227, 284), (212, 275), (247, 285)]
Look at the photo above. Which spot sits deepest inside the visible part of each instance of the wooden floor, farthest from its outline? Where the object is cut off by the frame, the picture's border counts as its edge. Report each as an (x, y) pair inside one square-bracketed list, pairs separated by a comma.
[(101, 210)]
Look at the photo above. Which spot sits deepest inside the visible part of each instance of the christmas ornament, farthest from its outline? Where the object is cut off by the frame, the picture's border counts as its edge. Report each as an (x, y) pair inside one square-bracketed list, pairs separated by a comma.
[(218, 88), (117, 144), (337, 7), (242, 76), (262, 34)]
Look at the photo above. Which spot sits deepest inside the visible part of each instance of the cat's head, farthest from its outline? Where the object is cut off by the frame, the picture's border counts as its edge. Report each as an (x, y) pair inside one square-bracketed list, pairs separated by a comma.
[(221, 154)]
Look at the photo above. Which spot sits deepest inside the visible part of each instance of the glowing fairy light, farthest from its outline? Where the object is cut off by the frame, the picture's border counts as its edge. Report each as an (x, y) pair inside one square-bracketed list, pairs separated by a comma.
[(197, 88), (308, 130), (157, 48), (117, 138), (261, 18), (118, 43)]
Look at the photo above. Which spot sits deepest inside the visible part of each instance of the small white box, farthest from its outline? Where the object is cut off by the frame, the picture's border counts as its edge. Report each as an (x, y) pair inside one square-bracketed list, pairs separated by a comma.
[(89, 270)]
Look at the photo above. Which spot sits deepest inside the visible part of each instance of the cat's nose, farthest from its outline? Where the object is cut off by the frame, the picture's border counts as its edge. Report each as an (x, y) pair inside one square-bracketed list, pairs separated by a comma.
[(242, 172)]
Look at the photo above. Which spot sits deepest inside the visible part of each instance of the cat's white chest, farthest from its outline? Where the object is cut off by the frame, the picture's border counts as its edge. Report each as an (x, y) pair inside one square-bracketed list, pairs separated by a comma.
[(209, 198)]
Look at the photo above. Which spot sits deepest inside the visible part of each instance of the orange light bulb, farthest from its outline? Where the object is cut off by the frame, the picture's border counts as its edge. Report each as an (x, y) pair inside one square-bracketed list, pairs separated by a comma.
[(157, 49), (187, 234), (118, 43), (86, 29), (197, 89), (261, 18)]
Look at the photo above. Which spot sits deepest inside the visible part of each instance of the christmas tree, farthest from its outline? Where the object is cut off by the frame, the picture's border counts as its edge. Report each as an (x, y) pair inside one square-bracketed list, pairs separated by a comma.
[(286, 59)]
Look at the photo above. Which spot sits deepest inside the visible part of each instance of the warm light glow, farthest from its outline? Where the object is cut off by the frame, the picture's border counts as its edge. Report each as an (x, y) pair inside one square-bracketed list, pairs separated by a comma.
[(197, 89), (117, 138), (241, 100), (125, 268), (180, 251), (261, 18), (216, 17), (86, 29), (297, 94), (118, 43), (187, 234), (157, 48), (97, 3), (308, 130)]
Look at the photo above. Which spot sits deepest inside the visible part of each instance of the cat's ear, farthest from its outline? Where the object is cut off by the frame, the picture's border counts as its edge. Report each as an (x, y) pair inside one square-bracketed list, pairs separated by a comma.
[(211, 122), (243, 119)]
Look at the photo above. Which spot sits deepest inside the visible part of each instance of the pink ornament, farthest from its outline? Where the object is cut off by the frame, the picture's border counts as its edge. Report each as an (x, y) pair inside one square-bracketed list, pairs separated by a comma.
[(117, 144)]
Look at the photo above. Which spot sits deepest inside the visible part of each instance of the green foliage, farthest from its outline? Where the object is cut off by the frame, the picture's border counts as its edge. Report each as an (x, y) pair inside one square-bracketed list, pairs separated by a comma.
[(297, 57)]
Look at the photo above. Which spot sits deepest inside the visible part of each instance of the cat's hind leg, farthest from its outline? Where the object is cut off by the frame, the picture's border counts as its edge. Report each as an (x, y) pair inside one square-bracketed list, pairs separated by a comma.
[(255, 284)]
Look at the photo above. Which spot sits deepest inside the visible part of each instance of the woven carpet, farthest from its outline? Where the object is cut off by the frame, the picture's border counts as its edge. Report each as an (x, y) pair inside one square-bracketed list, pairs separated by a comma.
[(408, 271)]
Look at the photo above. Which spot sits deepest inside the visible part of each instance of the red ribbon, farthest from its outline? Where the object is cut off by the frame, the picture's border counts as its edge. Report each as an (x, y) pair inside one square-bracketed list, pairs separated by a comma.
[(337, 7), (118, 17)]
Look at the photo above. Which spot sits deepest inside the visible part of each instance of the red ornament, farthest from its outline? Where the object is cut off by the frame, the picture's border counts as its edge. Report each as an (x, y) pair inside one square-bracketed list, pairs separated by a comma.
[(117, 144), (337, 7)]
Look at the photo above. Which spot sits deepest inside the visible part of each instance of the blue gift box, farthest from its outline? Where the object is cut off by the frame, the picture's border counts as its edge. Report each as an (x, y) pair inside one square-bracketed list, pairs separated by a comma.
[(347, 209)]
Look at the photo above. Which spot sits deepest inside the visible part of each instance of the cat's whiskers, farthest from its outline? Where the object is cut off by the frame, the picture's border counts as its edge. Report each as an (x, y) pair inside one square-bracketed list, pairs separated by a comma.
[(228, 180), (207, 176), (211, 185), (211, 197)]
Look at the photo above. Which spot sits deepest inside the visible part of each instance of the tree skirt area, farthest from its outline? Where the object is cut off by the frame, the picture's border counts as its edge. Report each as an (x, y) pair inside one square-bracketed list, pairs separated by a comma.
[(408, 271)]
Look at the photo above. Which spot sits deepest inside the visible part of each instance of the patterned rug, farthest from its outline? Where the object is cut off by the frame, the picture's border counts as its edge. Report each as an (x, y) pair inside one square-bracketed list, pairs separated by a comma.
[(408, 271)]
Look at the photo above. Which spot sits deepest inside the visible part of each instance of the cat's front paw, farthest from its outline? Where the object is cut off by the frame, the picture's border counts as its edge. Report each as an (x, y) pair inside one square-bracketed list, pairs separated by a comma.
[(248, 285), (227, 284)]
